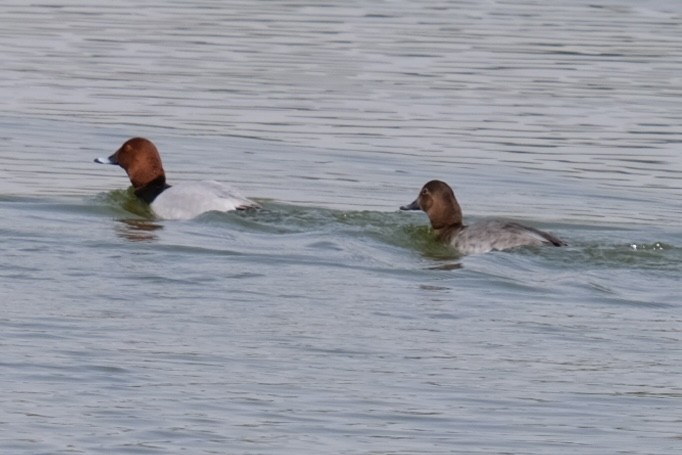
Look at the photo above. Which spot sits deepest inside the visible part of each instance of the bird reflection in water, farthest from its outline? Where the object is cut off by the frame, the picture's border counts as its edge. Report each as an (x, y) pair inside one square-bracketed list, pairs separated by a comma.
[(137, 230)]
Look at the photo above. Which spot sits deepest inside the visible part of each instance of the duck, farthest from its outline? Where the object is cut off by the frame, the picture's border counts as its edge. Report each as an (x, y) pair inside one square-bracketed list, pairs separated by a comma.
[(438, 200), (141, 160)]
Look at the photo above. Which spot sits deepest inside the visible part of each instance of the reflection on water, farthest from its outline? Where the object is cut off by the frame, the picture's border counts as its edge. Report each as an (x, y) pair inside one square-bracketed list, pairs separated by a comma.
[(137, 230), (447, 267)]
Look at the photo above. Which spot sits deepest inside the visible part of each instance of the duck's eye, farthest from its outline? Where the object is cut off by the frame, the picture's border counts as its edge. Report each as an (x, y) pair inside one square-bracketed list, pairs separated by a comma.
[(425, 192)]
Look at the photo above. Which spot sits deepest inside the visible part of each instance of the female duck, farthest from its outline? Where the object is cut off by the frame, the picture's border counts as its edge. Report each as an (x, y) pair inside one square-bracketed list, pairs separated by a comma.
[(141, 161), (437, 199)]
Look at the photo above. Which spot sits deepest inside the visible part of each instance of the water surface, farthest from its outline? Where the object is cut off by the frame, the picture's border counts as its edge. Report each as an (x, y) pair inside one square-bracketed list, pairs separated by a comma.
[(329, 322)]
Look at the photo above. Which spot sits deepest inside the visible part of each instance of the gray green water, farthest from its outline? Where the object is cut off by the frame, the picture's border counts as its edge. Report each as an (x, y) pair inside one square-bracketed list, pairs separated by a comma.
[(329, 322)]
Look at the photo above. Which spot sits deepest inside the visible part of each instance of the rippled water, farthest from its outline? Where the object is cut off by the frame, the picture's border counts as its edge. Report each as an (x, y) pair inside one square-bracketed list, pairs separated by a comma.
[(329, 322)]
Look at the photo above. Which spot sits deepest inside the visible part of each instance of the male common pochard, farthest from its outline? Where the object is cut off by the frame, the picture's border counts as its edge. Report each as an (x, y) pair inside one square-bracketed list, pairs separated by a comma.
[(437, 199), (142, 162)]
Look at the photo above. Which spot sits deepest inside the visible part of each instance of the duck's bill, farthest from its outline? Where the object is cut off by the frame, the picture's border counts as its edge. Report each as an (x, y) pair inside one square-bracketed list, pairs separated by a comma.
[(413, 206), (110, 160)]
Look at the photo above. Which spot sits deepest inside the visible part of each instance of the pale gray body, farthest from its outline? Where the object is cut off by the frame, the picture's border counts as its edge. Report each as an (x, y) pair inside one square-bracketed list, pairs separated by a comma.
[(497, 235)]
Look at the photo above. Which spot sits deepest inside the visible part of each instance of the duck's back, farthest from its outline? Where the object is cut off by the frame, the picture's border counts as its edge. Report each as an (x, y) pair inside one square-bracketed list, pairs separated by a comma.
[(188, 200), (497, 235)]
